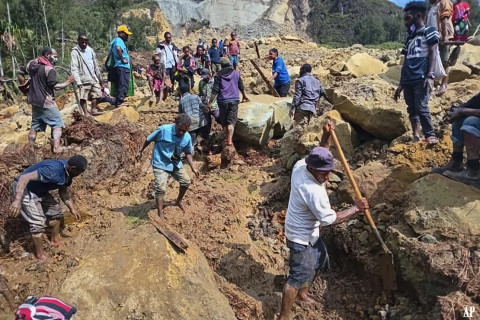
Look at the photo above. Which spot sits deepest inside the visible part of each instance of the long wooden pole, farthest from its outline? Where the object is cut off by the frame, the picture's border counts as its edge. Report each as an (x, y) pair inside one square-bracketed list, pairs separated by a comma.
[(269, 85)]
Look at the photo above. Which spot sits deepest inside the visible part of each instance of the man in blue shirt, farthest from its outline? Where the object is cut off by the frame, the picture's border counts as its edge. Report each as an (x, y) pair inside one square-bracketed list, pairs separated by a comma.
[(120, 73), (417, 75), (171, 140), (37, 206), (215, 54), (279, 73)]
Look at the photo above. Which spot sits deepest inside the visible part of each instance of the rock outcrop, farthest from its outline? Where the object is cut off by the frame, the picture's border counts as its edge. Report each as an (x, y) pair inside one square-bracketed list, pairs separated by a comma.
[(362, 64), (443, 207), (130, 278), (458, 72), (119, 114), (376, 181), (365, 106)]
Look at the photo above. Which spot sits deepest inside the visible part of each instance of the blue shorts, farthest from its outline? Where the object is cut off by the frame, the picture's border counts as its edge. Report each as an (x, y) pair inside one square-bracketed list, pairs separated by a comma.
[(305, 261), (466, 124), (234, 60), (41, 117)]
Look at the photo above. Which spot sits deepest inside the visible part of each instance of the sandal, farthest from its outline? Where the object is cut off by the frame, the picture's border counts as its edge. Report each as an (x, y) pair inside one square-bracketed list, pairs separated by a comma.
[(432, 140)]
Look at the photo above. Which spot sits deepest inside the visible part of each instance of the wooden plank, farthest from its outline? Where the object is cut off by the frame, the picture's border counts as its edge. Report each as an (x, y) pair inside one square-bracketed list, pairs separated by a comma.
[(256, 49), (164, 229), (269, 85)]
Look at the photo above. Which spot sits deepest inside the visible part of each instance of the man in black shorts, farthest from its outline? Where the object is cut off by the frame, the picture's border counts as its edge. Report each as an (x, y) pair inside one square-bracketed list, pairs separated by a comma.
[(227, 86)]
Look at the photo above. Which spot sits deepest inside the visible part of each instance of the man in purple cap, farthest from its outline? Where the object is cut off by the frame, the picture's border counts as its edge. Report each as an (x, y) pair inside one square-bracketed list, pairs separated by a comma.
[(308, 209)]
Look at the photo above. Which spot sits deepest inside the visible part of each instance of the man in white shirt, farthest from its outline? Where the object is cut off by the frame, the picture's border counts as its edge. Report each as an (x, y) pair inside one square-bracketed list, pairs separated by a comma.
[(308, 209), (169, 54)]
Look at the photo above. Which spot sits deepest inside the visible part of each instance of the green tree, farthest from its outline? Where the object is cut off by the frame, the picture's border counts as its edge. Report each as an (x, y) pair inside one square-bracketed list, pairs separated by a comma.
[(370, 30)]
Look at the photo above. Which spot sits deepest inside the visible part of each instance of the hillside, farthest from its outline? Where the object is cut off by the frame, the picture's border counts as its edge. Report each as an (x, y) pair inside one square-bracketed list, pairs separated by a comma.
[(337, 22)]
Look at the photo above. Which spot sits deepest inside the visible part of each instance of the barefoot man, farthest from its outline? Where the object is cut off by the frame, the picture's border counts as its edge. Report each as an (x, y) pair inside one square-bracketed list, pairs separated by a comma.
[(171, 140), (308, 209), (37, 206)]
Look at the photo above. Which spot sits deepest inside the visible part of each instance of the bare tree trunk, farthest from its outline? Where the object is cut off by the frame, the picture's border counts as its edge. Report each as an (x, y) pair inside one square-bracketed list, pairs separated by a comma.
[(13, 48), (1, 66), (63, 44), (46, 25)]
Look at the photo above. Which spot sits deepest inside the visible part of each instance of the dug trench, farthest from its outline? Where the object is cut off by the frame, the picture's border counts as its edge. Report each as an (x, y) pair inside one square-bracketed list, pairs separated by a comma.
[(114, 264)]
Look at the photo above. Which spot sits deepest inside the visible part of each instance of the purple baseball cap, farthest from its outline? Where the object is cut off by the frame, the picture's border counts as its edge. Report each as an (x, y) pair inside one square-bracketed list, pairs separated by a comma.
[(320, 159)]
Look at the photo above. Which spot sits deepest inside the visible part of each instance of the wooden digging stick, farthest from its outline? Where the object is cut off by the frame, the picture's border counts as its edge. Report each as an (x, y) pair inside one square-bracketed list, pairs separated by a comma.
[(256, 49)]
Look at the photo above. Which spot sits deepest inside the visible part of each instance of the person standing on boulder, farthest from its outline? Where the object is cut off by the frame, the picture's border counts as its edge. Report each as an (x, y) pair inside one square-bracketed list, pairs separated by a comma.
[(233, 50), (280, 75), (171, 140), (169, 53), (87, 74), (34, 201), (119, 75), (465, 120), (227, 86), (41, 96), (308, 92), (446, 31), (308, 210), (439, 16), (417, 75)]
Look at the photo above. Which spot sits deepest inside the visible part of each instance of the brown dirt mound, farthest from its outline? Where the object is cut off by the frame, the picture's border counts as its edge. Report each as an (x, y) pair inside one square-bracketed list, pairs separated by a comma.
[(118, 144)]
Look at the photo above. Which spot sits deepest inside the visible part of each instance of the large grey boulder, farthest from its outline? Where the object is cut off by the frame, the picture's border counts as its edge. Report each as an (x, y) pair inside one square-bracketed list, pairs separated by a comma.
[(261, 119)]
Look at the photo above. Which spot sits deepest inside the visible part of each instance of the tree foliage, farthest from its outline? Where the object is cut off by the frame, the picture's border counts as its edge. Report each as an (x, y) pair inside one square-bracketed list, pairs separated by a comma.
[(345, 22), (97, 18)]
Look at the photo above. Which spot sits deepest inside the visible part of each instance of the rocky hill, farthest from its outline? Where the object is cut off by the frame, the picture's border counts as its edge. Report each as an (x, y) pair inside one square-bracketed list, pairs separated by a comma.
[(329, 21)]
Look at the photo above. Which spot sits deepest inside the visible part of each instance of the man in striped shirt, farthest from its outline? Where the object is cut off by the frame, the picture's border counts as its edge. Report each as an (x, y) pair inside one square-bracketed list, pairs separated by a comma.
[(417, 74)]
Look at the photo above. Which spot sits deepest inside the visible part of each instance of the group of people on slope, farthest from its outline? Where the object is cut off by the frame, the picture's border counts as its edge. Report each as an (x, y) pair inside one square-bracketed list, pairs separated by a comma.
[(219, 95)]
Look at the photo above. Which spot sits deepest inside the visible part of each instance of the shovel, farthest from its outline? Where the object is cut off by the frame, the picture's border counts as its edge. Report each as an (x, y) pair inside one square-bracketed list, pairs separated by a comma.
[(387, 269)]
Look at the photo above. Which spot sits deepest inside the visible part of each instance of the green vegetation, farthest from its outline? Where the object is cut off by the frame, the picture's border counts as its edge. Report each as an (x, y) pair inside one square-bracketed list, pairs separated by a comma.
[(340, 23), (27, 33)]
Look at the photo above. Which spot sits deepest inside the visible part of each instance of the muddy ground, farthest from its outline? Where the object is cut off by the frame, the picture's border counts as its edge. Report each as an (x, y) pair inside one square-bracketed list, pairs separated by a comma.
[(235, 216)]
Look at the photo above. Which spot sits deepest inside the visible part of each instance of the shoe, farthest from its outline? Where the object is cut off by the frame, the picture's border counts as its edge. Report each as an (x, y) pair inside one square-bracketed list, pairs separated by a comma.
[(464, 176), (450, 166)]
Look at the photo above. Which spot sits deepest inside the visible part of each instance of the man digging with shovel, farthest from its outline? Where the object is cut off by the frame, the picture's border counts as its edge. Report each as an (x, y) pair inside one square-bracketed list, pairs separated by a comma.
[(308, 209)]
